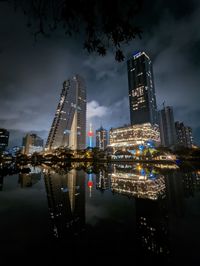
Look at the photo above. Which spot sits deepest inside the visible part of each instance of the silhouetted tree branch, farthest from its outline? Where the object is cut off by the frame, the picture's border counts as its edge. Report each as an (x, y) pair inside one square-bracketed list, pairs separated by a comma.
[(106, 23)]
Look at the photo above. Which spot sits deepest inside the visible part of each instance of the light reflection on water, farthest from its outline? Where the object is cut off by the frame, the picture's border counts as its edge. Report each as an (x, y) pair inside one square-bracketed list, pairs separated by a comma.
[(110, 210)]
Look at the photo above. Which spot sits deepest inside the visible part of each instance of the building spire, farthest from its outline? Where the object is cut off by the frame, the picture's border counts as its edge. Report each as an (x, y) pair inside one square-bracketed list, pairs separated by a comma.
[(163, 104)]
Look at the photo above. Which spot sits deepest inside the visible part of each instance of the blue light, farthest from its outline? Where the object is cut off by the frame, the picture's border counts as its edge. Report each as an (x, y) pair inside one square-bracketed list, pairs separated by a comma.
[(136, 54), (90, 177), (141, 147), (150, 143), (132, 151), (64, 189), (142, 172), (152, 176), (90, 142)]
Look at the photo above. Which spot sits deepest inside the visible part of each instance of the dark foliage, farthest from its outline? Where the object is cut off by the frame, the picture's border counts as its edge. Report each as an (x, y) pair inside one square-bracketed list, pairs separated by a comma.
[(103, 24)]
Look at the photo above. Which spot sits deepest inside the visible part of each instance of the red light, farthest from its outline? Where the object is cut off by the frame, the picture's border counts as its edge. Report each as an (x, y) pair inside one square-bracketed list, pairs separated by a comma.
[(90, 134), (90, 184)]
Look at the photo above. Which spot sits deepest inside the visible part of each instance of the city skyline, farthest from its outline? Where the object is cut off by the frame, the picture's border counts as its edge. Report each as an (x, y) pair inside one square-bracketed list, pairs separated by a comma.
[(30, 90)]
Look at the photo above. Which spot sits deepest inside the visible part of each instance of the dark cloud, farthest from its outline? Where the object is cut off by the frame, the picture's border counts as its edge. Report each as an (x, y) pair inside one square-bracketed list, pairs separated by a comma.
[(32, 73)]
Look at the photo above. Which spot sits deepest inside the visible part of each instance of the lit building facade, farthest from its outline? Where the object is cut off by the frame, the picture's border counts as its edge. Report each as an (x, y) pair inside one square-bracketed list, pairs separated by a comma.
[(4, 138), (184, 135), (32, 143), (69, 125), (167, 127), (131, 136), (142, 99), (101, 138)]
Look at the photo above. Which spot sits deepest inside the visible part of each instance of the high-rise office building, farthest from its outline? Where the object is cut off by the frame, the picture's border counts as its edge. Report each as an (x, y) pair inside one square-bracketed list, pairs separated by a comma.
[(167, 127), (69, 124), (184, 135), (142, 97), (32, 143), (101, 138), (4, 137)]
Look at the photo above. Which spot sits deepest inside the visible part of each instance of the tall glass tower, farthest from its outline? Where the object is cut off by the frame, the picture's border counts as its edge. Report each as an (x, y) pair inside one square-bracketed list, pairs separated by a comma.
[(167, 126), (69, 125), (142, 97)]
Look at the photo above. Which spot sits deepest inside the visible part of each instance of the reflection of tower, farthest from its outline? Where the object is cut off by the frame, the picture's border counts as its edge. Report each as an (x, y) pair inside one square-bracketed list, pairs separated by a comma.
[(90, 183), (102, 180), (66, 200), (149, 190), (191, 183), (69, 124), (152, 226), (175, 194), (1, 182), (90, 136)]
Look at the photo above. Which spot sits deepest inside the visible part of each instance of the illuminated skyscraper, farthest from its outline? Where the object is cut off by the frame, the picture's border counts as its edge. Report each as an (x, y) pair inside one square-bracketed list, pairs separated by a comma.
[(69, 124), (141, 89), (101, 138)]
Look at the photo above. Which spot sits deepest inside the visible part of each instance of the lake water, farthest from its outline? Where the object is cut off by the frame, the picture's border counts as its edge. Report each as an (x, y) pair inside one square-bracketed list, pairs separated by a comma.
[(124, 213)]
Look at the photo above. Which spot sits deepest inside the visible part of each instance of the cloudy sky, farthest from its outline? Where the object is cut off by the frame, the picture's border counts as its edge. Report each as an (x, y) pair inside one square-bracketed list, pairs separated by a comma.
[(32, 72)]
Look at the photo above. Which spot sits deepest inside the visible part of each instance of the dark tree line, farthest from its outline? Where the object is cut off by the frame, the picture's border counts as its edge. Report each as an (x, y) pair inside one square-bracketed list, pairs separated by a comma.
[(103, 24)]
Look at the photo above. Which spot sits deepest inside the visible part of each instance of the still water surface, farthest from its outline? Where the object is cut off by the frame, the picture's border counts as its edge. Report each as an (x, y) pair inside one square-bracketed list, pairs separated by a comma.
[(94, 214)]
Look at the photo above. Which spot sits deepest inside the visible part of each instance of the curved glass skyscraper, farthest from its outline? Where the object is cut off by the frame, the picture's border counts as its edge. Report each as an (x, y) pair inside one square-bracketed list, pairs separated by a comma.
[(69, 125)]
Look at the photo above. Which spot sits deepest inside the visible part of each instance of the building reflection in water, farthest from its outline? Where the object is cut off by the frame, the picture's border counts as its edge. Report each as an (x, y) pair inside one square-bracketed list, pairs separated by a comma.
[(1, 181), (148, 188), (66, 200), (103, 180), (158, 200), (31, 178), (137, 181)]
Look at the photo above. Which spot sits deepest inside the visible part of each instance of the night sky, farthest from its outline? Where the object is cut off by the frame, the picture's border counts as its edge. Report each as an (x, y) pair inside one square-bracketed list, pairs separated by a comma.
[(32, 72)]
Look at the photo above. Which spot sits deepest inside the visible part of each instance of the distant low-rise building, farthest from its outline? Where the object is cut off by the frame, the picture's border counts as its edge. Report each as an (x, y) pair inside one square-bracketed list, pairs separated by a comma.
[(101, 138), (32, 143), (4, 138), (184, 135)]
